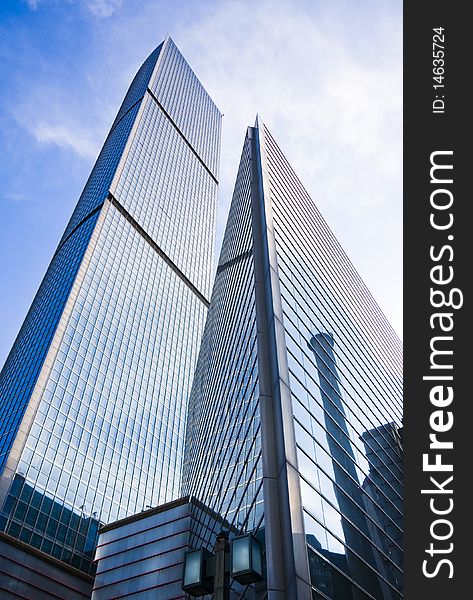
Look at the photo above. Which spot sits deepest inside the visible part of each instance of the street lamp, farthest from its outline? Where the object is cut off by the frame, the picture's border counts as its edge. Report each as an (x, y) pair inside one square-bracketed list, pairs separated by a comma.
[(205, 572), (196, 580), (246, 559)]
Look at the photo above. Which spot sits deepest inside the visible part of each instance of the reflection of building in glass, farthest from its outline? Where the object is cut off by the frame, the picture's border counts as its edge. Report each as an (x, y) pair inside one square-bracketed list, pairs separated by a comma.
[(383, 486), (94, 392), (361, 531), (329, 580)]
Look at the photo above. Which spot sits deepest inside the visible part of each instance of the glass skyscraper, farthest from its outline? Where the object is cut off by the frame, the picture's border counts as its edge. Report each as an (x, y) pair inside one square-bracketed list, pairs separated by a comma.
[(93, 395), (295, 412)]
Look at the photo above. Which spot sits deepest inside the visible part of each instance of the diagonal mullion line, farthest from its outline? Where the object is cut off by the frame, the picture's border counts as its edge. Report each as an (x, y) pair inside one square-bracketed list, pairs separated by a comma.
[(176, 127), (157, 249), (234, 260)]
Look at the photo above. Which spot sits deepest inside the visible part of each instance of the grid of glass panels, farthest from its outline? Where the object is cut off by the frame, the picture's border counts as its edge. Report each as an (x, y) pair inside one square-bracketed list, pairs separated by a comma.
[(345, 377), (189, 106), (25, 360), (168, 191), (107, 439), (222, 466)]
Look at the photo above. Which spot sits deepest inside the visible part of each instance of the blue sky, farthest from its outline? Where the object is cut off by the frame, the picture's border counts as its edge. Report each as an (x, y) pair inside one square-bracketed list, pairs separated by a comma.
[(326, 76)]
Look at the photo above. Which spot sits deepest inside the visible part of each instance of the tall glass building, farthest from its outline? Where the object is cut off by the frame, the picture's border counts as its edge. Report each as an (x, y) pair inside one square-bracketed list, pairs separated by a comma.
[(93, 395), (295, 411)]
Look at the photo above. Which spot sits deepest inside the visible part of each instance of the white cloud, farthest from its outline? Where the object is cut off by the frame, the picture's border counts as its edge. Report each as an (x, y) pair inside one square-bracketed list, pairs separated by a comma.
[(102, 8), (54, 114), (15, 196), (73, 138), (97, 8)]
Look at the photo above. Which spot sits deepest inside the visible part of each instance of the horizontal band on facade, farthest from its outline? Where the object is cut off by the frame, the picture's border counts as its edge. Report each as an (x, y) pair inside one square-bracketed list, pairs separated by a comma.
[(157, 249), (176, 127)]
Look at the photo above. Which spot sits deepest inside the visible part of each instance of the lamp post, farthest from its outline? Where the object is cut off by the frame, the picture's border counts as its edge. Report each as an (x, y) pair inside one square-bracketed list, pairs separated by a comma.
[(241, 560), (221, 577)]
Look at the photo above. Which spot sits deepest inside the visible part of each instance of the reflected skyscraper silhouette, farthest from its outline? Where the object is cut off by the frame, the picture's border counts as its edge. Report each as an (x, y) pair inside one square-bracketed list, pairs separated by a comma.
[(384, 454), (360, 532)]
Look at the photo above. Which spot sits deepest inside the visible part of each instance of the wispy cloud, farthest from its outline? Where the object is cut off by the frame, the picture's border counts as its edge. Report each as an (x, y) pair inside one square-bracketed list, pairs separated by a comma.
[(54, 115), (74, 138), (15, 196), (102, 8), (97, 8), (33, 4)]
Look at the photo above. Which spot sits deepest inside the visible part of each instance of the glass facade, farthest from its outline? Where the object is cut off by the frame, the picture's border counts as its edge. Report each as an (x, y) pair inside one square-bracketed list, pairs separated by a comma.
[(95, 390), (295, 411), (344, 362)]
